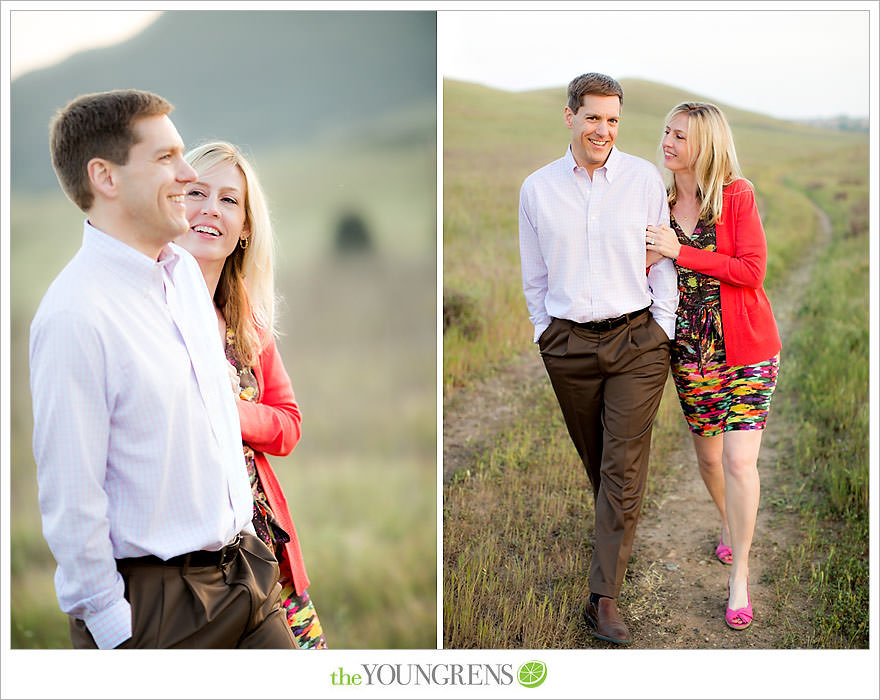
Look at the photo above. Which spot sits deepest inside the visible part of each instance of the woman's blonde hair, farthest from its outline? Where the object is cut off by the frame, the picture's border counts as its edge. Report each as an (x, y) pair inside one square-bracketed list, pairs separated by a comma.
[(249, 308), (712, 156)]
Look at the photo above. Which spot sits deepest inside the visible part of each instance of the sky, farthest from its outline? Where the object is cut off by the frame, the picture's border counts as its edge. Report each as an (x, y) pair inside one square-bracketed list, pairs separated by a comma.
[(769, 61), (790, 64), (40, 38)]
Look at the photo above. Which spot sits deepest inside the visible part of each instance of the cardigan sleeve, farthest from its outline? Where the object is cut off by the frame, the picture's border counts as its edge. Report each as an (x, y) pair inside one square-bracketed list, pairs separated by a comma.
[(747, 265), (274, 424)]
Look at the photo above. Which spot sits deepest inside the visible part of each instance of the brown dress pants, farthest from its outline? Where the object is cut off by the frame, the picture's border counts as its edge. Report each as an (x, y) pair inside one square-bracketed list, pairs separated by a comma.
[(202, 607), (609, 385)]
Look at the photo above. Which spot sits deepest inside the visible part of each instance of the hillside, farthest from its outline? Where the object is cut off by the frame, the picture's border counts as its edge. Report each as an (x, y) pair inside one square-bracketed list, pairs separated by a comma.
[(482, 119), (517, 506), (264, 79), (493, 139)]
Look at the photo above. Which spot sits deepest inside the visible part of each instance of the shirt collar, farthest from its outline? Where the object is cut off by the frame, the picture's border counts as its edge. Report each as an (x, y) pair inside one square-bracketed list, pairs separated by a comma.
[(611, 167), (135, 265)]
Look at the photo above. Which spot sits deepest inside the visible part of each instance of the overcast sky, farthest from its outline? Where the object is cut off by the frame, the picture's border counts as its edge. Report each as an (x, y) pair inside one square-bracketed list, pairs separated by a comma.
[(39, 38), (788, 64)]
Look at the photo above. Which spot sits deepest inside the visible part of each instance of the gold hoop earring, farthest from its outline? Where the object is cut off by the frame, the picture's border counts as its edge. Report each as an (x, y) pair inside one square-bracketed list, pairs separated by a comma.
[(243, 242)]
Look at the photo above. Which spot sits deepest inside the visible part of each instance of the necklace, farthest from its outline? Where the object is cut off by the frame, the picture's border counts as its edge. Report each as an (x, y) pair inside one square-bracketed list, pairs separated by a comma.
[(681, 216)]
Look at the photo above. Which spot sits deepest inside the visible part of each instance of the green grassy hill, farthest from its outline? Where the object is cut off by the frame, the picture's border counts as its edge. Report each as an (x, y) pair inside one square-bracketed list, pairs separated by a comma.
[(493, 139), (516, 515), (264, 79)]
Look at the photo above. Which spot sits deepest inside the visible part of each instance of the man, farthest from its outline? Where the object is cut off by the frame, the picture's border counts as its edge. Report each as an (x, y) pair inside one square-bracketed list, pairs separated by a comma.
[(144, 495), (602, 325)]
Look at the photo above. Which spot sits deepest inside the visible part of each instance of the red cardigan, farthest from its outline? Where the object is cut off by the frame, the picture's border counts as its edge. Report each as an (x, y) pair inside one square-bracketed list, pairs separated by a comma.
[(272, 424), (739, 263)]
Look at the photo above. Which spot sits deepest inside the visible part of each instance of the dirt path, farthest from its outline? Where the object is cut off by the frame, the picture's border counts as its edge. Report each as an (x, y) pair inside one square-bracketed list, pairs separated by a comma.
[(677, 536), (678, 596), (472, 418)]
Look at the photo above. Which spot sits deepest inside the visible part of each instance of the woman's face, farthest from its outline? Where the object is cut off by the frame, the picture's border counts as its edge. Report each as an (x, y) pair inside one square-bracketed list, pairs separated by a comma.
[(215, 210), (676, 154)]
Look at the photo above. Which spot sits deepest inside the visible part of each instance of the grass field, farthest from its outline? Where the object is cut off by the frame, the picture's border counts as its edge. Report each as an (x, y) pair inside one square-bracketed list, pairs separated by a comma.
[(486, 158), (829, 372), (515, 547), (359, 342)]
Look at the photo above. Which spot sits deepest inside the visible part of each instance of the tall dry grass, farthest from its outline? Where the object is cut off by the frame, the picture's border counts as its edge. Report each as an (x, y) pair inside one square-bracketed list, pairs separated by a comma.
[(517, 522)]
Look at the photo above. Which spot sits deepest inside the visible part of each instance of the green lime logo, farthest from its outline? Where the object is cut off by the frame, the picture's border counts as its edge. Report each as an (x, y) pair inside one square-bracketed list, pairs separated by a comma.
[(532, 673)]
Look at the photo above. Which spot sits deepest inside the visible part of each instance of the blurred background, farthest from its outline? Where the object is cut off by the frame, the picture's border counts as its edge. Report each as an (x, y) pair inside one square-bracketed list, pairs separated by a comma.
[(338, 112)]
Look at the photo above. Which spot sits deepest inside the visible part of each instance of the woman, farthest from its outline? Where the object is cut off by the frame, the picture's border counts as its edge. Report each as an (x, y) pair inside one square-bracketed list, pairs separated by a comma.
[(725, 357), (230, 236)]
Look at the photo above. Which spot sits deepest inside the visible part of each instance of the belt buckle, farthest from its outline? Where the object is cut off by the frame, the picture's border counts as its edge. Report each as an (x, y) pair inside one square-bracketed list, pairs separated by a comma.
[(227, 554)]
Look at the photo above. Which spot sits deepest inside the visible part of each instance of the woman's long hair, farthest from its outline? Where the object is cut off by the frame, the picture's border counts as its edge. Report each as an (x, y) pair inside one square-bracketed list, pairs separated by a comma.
[(712, 156), (249, 308)]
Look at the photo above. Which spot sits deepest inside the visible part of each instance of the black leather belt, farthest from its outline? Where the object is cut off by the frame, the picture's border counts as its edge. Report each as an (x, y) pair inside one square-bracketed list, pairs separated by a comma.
[(607, 324), (203, 557)]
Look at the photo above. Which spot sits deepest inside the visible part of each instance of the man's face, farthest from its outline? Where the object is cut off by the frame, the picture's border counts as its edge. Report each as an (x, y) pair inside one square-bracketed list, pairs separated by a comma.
[(593, 129), (152, 184)]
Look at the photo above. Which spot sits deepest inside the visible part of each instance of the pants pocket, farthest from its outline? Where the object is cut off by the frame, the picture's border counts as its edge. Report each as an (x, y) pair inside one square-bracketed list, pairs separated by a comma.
[(554, 340)]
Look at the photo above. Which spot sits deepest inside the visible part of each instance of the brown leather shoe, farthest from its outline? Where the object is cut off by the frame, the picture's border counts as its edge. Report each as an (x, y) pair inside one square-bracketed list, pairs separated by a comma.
[(606, 622)]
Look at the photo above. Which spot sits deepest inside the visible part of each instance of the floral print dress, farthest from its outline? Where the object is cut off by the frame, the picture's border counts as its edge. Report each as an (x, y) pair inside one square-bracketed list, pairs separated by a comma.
[(715, 397), (299, 609), (698, 333)]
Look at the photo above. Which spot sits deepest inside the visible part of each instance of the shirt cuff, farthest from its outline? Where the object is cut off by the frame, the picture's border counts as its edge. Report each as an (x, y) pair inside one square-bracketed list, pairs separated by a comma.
[(668, 326), (539, 329), (111, 626)]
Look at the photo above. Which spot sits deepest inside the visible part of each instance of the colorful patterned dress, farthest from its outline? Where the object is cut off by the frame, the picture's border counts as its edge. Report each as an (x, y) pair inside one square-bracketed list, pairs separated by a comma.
[(715, 397), (300, 610)]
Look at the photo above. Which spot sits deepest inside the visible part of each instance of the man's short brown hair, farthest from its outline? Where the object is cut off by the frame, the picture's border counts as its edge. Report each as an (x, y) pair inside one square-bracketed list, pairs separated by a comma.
[(97, 125), (592, 84)]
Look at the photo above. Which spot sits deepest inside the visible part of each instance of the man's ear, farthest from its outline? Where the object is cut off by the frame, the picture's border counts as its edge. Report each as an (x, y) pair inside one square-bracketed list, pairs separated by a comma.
[(102, 176), (568, 115)]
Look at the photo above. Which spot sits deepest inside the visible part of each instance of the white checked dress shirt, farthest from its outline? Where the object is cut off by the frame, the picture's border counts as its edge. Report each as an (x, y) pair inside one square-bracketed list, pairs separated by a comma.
[(136, 434), (582, 242)]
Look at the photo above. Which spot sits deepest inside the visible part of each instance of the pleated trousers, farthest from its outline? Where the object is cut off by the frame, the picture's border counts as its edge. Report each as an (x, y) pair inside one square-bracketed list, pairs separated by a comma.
[(235, 606), (609, 384)]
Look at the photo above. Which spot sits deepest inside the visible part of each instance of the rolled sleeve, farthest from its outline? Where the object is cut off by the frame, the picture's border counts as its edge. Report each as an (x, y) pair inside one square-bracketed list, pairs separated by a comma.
[(534, 268), (663, 288), (70, 442), (662, 277)]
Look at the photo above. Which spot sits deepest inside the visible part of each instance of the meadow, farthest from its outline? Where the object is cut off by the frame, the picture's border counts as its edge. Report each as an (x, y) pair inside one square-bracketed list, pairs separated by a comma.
[(517, 519), (358, 337)]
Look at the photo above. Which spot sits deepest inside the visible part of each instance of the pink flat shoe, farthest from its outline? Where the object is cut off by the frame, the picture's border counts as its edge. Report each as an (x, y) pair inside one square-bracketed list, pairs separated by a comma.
[(724, 553), (741, 618)]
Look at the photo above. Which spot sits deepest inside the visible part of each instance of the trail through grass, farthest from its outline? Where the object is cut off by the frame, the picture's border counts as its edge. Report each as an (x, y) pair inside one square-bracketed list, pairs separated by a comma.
[(517, 511)]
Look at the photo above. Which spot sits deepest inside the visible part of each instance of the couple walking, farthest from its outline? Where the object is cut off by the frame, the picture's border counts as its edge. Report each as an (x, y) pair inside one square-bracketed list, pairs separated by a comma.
[(624, 277)]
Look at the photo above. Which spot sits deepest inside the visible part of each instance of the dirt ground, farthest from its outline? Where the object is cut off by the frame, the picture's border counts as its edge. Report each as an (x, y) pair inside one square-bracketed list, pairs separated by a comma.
[(677, 587)]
